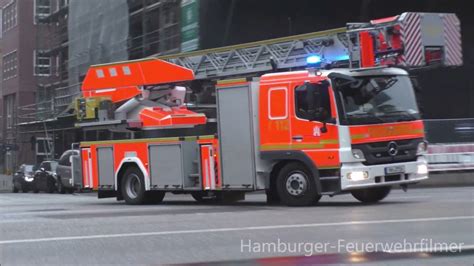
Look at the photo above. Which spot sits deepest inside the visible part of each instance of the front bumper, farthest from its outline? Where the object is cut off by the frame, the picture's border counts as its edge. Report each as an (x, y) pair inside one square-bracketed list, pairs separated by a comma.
[(377, 177)]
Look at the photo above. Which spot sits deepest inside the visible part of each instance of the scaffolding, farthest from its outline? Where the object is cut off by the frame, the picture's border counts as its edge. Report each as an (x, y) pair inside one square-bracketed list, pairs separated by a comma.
[(80, 33)]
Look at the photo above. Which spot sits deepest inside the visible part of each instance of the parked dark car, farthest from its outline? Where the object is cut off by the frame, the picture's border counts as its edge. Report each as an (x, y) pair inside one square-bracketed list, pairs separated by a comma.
[(23, 179), (45, 177), (64, 172)]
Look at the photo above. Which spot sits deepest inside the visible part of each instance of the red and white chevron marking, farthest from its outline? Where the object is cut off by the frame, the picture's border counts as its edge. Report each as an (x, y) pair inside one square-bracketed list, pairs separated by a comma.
[(411, 37), (452, 39)]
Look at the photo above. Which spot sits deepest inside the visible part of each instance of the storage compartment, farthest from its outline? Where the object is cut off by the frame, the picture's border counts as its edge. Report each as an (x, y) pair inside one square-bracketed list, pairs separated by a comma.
[(105, 162)]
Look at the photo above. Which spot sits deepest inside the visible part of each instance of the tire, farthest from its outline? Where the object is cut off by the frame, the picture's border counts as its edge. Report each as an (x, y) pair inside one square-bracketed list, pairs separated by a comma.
[(60, 186), (133, 189), (371, 195), (296, 186)]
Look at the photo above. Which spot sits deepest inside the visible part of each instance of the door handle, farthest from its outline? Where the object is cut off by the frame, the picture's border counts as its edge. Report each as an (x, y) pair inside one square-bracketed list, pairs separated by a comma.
[(297, 137)]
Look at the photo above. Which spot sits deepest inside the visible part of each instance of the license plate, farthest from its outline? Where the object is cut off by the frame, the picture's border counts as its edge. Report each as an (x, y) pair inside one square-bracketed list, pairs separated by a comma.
[(395, 169)]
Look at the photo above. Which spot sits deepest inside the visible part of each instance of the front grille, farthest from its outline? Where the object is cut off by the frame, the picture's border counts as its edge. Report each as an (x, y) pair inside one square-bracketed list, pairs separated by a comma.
[(379, 152)]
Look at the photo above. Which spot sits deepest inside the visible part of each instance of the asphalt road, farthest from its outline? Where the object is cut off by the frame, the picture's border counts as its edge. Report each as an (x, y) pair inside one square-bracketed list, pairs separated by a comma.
[(58, 229)]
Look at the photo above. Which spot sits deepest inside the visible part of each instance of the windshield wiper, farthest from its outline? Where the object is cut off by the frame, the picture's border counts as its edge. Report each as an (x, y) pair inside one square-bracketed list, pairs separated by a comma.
[(404, 115), (365, 115)]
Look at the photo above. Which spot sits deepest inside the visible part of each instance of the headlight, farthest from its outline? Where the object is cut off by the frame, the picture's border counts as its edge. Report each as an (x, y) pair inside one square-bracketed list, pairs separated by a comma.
[(358, 154), (422, 169), (358, 175), (422, 148)]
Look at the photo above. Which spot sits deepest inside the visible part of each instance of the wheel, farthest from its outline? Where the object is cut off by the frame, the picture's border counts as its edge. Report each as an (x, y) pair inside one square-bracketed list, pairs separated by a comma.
[(133, 189), (296, 186), (60, 186), (371, 195)]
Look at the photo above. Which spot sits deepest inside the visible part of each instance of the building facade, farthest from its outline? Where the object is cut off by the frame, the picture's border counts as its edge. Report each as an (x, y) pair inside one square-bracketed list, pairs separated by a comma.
[(18, 81), (47, 47)]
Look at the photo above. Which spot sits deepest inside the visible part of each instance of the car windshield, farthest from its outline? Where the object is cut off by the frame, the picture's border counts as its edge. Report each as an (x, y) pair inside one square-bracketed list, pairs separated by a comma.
[(377, 99)]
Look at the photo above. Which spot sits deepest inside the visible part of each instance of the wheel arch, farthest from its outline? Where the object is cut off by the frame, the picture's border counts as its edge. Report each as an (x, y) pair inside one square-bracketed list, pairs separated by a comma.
[(282, 158), (124, 165)]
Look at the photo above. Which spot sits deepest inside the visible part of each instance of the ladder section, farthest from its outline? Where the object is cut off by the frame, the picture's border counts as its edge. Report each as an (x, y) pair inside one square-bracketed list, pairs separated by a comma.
[(283, 53)]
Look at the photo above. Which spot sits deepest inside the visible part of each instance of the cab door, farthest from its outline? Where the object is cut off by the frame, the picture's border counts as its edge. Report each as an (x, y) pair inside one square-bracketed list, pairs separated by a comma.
[(313, 104)]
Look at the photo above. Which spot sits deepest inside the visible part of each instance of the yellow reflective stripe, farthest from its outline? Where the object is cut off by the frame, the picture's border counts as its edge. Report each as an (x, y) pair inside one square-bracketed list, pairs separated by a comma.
[(329, 141), (162, 140), (329, 167), (227, 81), (207, 137), (359, 136), (290, 147), (322, 144)]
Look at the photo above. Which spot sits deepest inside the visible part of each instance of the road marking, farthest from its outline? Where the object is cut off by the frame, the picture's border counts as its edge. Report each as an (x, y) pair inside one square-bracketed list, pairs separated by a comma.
[(233, 229), (409, 197), (431, 250)]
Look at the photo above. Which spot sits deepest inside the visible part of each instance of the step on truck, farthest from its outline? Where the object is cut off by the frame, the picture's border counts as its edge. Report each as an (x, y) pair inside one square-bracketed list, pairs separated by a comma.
[(344, 121)]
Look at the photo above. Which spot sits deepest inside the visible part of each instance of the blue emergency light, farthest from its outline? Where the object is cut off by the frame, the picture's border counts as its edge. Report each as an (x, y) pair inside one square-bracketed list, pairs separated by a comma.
[(313, 59)]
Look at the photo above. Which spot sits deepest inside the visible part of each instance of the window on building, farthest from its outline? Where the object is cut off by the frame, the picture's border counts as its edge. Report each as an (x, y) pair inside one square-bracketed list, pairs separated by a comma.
[(42, 9), (9, 17), (10, 65), (58, 4), (10, 110), (42, 64)]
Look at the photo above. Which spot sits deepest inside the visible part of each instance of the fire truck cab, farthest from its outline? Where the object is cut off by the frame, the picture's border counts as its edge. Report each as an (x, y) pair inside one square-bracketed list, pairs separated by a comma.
[(319, 133)]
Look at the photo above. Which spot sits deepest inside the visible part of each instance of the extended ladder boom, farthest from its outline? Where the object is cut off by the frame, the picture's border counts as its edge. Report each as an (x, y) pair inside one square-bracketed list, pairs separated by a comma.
[(410, 40)]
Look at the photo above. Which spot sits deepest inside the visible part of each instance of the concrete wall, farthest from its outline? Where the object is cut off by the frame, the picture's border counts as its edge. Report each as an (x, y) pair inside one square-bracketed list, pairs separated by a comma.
[(5, 183)]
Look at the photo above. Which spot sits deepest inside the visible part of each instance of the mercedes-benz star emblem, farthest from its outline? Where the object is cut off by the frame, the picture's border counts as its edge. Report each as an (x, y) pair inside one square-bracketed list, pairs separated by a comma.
[(392, 148)]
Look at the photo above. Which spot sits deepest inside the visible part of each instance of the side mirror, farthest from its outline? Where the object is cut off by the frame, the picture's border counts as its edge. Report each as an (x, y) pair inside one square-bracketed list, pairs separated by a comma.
[(42, 169), (322, 115)]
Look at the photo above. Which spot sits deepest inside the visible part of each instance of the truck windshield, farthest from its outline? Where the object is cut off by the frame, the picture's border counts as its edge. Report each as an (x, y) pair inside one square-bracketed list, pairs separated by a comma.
[(376, 99)]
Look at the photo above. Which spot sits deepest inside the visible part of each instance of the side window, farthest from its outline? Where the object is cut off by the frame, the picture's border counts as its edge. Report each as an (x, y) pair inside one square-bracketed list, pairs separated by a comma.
[(64, 160), (312, 101), (46, 166), (278, 103)]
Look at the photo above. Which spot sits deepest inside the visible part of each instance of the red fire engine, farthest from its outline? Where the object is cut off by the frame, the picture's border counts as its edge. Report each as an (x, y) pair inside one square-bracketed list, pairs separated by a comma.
[(298, 134)]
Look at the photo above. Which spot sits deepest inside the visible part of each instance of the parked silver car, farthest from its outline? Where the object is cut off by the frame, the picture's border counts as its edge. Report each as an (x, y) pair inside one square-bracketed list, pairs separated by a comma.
[(65, 181)]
